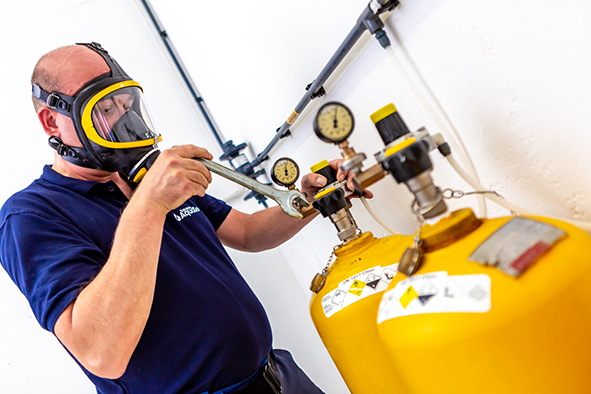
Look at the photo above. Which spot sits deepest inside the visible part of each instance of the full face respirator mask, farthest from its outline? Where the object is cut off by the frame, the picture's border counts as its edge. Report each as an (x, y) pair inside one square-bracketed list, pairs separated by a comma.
[(111, 121)]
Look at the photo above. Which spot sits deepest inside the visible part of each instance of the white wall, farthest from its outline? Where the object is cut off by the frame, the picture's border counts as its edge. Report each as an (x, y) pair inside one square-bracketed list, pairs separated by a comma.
[(512, 76)]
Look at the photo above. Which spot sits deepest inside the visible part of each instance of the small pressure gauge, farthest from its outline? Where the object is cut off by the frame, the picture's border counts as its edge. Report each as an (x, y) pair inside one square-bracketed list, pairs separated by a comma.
[(285, 172), (334, 122)]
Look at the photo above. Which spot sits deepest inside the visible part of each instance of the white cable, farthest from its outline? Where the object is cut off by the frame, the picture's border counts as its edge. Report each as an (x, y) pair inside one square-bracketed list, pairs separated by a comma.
[(460, 149), (373, 213), (586, 226)]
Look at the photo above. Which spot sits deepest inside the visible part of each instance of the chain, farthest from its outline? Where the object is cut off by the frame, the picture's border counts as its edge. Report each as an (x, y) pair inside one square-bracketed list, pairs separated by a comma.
[(319, 279), (420, 220), (451, 193), (330, 261)]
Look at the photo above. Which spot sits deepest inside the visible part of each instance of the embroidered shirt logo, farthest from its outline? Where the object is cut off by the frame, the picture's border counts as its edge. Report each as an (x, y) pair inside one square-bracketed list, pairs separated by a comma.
[(185, 212)]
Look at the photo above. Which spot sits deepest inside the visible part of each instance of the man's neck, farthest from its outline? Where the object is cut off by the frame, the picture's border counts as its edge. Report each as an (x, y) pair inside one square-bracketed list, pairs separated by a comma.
[(70, 170)]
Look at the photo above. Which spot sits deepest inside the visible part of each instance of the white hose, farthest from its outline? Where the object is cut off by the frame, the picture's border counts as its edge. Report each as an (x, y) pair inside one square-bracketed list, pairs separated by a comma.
[(373, 213), (586, 226), (460, 149)]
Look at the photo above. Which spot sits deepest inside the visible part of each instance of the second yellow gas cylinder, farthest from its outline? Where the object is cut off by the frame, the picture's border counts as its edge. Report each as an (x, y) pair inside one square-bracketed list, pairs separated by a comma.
[(344, 311), (498, 306)]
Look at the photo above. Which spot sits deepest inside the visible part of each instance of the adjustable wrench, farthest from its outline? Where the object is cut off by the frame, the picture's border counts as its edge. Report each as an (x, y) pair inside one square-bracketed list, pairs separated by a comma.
[(285, 198)]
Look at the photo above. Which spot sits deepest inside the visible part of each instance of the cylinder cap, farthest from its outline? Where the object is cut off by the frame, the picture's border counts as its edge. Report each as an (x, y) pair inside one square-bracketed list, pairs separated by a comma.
[(448, 230), (319, 166), (389, 124), (382, 113)]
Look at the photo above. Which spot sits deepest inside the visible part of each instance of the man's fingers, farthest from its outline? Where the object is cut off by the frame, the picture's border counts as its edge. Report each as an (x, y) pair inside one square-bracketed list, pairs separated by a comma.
[(200, 182), (336, 165), (367, 194), (189, 151), (313, 180), (195, 166), (319, 180)]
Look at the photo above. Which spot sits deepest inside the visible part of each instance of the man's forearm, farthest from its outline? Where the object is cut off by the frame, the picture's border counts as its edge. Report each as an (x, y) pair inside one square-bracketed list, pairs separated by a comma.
[(262, 230), (104, 324)]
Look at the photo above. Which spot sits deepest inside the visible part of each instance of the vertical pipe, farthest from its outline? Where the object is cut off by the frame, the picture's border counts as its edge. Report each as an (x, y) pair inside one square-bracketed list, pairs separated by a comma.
[(326, 72), (184, 74)]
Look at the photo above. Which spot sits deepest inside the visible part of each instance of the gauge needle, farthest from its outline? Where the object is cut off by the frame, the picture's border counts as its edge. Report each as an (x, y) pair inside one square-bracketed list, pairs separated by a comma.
[(335, 125), (286, 172)]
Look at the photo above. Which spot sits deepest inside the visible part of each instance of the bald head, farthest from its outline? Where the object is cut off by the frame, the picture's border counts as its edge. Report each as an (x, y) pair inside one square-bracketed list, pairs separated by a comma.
[(66, 70)]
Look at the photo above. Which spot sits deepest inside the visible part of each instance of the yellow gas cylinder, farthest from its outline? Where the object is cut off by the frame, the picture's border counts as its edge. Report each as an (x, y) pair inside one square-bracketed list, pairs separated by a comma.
[(497, 306), (344, 311)]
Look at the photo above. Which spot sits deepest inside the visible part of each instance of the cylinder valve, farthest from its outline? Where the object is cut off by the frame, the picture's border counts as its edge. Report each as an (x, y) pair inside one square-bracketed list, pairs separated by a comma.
[(332, 202), (407, 159)]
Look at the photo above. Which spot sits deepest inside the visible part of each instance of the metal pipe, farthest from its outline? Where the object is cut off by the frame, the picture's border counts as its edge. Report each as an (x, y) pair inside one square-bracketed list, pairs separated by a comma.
[(368, 20), (184, 74)]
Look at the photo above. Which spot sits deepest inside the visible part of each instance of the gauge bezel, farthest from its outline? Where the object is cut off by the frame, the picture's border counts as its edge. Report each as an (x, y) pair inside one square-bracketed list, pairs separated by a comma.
[(318, 130), (277, 163)]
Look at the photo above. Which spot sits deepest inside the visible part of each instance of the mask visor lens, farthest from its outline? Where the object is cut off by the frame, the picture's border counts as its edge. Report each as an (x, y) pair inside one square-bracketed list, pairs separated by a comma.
[(121, 116)]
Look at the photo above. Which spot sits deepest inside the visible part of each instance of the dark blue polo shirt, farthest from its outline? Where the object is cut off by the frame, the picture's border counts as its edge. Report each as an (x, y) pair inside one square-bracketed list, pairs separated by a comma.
[(206, 330)]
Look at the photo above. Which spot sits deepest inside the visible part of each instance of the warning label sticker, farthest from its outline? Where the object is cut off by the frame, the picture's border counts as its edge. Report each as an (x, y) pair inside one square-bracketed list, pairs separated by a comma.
[(515, 246), (357, 287), (437, 292)]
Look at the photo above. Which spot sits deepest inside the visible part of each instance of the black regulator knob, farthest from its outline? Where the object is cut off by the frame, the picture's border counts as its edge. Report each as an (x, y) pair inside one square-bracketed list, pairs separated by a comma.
[(408, 162), (331, 203), (389, 123), (330, 199)]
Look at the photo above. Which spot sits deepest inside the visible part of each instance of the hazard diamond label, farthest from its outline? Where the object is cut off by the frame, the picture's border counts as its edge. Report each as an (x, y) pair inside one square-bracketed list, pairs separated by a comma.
[(437, 292), (357, 287), (409, 295)]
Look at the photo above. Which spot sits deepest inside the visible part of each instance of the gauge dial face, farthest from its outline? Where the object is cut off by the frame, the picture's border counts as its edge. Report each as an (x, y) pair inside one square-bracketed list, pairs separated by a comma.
[(334, 122), (285, 172)]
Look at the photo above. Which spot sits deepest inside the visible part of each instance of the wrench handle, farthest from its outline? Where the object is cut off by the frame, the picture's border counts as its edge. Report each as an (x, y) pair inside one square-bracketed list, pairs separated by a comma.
[(285, 199)]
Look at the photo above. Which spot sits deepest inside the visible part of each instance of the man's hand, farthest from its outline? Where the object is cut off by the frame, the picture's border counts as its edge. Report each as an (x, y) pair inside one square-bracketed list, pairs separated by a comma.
[(311, 182), (175, 177)]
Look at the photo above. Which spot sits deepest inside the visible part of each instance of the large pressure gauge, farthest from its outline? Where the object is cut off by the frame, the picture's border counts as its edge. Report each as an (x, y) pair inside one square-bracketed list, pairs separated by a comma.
[(334, 122), (285, 172)]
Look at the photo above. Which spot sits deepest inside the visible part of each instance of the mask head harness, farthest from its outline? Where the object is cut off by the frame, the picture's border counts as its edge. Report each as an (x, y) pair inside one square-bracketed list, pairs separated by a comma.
[(111, 121)]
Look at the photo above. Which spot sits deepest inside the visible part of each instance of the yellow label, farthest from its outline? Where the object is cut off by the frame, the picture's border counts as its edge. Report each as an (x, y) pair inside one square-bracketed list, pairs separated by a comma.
[(409, 295), (294, 115), (357, 287)]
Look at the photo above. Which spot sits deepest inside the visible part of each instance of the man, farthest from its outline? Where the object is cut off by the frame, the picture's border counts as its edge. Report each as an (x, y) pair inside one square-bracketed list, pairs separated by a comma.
[(133, 279)]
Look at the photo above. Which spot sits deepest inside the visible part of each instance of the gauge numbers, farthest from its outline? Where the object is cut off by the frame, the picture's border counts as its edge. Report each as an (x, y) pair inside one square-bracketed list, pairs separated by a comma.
[(334, 122), (285, 172)]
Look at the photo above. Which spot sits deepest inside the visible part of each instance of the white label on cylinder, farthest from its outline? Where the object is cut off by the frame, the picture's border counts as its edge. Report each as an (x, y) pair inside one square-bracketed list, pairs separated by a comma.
[(437, 292), (357, 287)]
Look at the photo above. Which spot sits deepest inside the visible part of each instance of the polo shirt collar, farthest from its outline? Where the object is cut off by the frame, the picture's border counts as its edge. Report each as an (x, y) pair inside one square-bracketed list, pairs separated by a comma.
[(78, 185)]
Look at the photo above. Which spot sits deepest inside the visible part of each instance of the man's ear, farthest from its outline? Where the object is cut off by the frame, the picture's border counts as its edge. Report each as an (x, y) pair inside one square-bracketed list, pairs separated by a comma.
[(48, 120)]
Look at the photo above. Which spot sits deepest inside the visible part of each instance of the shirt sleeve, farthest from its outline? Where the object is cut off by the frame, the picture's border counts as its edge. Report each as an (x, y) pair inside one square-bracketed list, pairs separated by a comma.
[(50, 261), (215, 210)]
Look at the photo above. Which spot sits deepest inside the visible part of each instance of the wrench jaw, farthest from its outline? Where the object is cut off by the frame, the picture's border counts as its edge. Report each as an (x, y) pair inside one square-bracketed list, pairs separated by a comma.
[(295, 198), (300, 200), (284, 198), (292, 211)]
